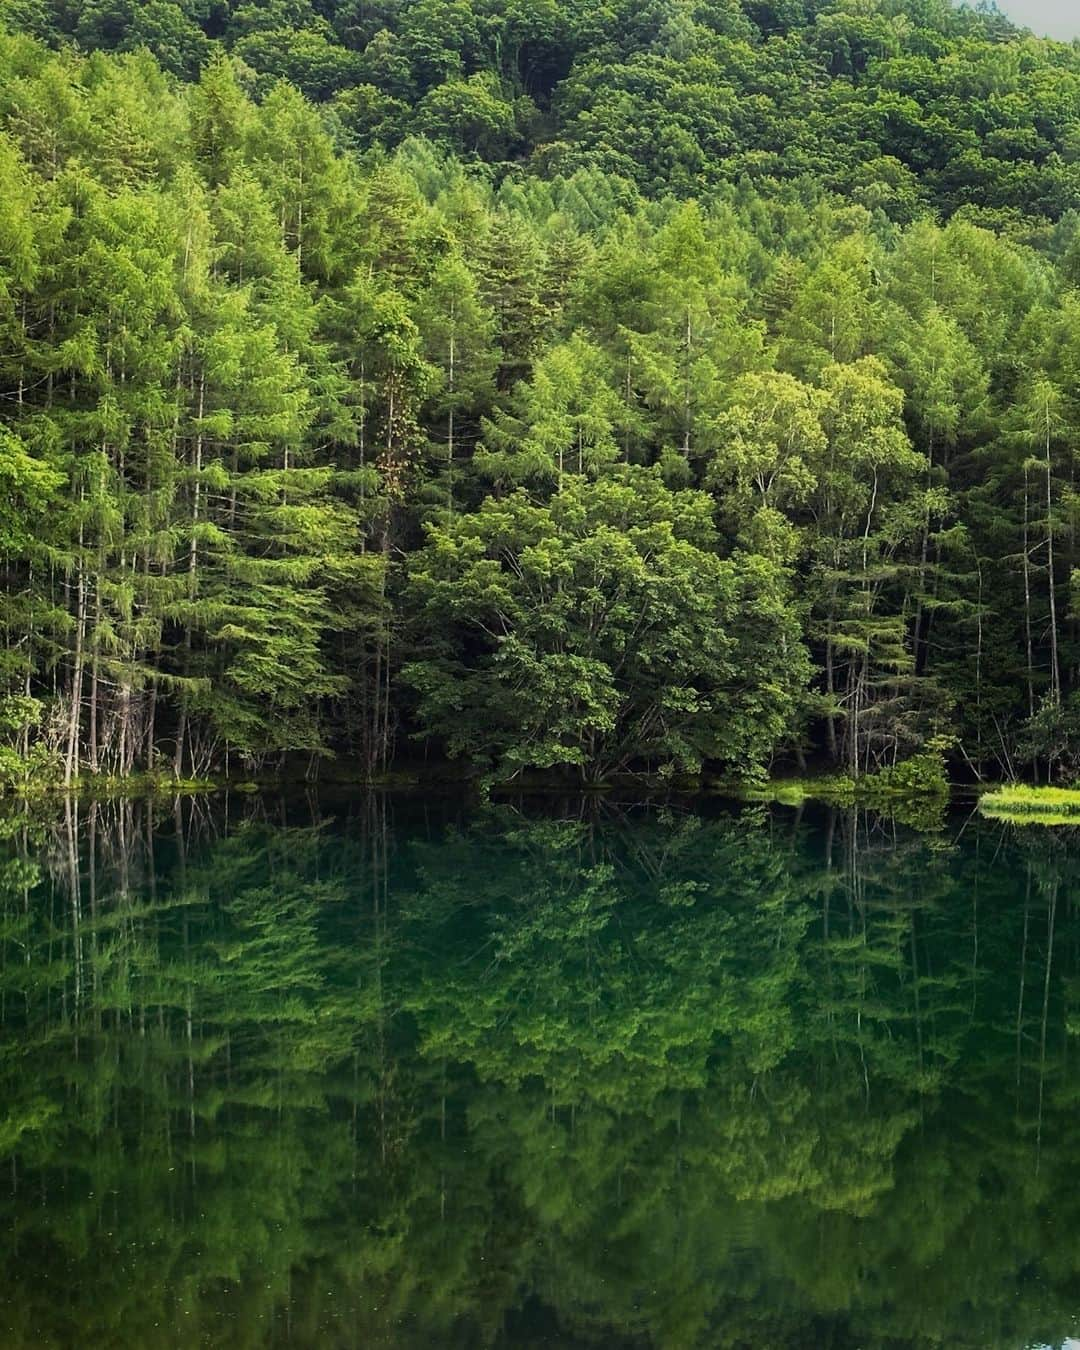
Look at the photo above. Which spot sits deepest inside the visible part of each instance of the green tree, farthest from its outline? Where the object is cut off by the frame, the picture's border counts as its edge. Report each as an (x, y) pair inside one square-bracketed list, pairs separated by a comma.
[(600, 631), (562, 420)]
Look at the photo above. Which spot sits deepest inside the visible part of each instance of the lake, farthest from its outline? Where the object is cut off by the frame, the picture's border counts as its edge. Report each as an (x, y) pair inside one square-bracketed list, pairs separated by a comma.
[(364, 1071)]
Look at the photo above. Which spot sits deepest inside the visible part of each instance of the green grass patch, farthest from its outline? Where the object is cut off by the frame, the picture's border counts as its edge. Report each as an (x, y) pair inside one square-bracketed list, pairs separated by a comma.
[(1032, 805), (834, 789)]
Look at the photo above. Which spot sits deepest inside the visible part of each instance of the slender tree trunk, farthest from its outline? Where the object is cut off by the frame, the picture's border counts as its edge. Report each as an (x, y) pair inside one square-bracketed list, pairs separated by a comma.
[(123, 753), (300, 212), (94, 682), (181, 742), (687, 402), (1055, 669), (71, 762), (854, 703), (626, 438), (193, 564), (361, 433), (1027, 599), (919, 642), (24, 739), (450, 430), (830, 681), (978, 666), (151, 729)]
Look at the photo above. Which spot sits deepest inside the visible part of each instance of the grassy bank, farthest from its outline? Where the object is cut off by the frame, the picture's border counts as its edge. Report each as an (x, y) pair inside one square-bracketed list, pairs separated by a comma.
[(1032, 805)]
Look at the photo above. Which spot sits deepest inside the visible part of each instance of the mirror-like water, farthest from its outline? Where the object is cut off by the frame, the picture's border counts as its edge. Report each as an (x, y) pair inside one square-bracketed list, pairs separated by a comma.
[(374, 1073)]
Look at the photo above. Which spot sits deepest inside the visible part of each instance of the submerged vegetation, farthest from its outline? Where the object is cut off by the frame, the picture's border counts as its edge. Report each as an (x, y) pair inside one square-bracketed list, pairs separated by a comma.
[(576, 390)]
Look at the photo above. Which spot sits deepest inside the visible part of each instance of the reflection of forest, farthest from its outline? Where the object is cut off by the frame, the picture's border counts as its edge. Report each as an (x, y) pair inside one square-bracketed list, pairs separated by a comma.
[(607, 1079)]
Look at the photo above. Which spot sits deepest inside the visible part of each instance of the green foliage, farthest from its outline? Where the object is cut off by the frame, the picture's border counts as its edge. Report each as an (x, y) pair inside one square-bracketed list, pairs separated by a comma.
[(335, 339), (1032, 805), (600, 630), (914, 791), (923, 775), (901, 107), (25, 767)]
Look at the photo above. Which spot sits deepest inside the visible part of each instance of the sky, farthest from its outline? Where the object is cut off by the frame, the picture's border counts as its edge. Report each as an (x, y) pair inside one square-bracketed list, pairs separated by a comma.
[(1056, 18)]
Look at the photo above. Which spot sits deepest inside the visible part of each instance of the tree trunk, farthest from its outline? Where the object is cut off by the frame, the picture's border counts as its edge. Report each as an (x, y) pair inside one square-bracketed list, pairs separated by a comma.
[(687, 403), (450, 430), (1055, 669), (1027, 600), (71, 761), (193, 564)]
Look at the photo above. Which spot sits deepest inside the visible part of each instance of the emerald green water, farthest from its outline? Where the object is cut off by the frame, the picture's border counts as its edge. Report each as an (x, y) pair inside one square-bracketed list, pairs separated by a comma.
[(380, 1072)]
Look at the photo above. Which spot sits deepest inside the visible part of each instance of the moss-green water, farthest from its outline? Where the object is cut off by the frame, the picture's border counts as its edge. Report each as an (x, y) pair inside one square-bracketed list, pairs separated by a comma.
[(362, 1070)]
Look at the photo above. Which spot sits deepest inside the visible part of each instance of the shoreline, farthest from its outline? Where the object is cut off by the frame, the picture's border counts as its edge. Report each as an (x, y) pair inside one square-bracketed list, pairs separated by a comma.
[(921, 801)]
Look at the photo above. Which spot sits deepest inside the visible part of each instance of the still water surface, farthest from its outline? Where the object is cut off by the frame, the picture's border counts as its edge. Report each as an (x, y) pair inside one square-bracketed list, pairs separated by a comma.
[(385, 1073)]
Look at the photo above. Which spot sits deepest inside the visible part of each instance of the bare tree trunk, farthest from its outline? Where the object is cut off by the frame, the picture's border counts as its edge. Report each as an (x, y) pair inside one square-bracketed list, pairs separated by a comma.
[(924, 555), (193, 563), (450, 431), (1055, 670), (1027, 600), (151, 729), (830, 680), (181, 741), (687, 402), (94, 682), (626, 437), (71, 761), (978, 666)]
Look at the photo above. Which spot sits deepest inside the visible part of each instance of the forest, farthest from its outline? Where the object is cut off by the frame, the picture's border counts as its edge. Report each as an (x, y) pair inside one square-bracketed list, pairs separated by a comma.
[(549, 388)]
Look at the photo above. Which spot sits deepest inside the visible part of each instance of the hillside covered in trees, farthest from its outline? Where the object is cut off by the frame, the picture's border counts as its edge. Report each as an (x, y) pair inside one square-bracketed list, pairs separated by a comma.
[(561, 387)]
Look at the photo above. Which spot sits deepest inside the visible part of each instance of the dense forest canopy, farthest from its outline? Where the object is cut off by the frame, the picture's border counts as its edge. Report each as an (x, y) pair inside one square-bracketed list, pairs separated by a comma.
[(574, 388), (905, 103)]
